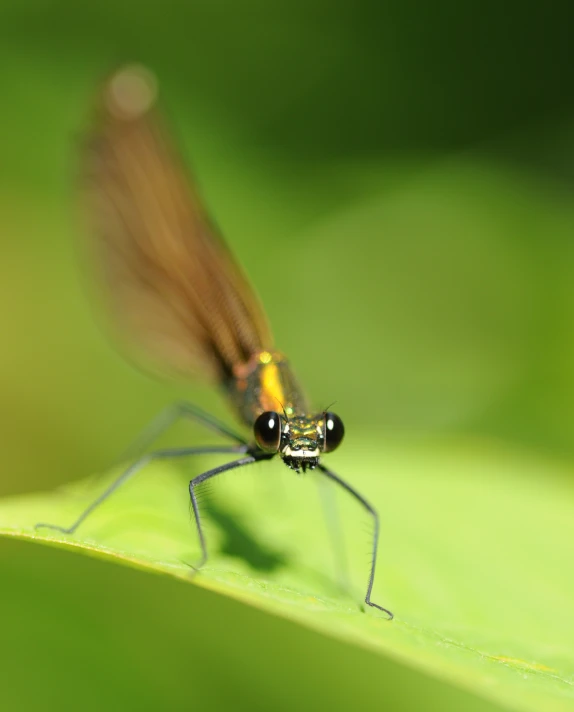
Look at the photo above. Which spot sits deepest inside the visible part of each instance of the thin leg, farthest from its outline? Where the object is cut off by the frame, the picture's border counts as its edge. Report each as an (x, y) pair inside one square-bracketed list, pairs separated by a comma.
[(158, 455), (206, 476), (168, 417), (375, 517)]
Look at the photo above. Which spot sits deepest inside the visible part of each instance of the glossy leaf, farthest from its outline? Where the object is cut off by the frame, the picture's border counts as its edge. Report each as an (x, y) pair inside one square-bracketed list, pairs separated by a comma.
[(475, 559)]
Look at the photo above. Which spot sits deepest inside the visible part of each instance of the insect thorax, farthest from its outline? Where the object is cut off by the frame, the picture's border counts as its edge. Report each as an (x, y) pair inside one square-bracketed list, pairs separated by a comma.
[(265, 383)]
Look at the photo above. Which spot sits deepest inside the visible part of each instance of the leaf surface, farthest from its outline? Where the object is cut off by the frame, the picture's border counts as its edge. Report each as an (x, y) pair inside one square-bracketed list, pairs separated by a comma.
[(474, 561)]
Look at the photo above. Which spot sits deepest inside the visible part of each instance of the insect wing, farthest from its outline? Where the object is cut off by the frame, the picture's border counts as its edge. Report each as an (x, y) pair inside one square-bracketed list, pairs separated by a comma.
[(173, 290)]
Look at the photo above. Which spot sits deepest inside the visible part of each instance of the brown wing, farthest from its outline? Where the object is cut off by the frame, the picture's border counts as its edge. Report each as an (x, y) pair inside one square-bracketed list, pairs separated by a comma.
[(173, 290)]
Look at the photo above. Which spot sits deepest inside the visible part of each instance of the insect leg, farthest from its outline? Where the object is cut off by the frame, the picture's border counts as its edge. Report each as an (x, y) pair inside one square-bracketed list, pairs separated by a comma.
[(136, 467), (375, 517), (167, 418), (206, 476)]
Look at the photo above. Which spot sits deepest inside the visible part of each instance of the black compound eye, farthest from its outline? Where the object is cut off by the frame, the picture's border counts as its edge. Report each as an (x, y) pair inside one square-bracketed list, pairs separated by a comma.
[(333, 432), (267, 431)]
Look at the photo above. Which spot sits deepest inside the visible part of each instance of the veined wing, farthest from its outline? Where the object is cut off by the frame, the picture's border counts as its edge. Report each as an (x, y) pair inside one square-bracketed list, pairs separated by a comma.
[(175, 295)]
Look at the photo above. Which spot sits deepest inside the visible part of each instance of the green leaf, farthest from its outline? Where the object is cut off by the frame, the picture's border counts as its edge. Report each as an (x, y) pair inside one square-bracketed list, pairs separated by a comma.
[(475, 557)]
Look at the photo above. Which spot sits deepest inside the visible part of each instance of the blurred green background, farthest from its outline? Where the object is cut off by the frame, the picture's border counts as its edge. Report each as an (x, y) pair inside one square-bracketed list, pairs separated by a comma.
[(410, 165)]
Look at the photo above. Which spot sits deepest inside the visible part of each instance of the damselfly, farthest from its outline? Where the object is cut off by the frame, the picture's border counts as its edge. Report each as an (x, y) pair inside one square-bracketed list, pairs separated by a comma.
[(175, 292)]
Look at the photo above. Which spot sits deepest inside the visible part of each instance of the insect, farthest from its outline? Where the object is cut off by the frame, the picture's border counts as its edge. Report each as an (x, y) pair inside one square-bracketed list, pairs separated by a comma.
[(175, 293)]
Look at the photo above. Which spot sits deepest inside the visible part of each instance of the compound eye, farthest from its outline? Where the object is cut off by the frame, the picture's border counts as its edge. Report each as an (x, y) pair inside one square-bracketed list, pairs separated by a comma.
[(267, 431), (333, 433)]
